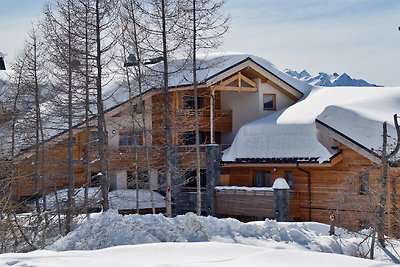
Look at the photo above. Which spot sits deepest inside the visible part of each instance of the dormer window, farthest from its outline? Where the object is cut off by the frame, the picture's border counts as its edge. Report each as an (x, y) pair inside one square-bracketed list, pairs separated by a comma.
[(269, 102)]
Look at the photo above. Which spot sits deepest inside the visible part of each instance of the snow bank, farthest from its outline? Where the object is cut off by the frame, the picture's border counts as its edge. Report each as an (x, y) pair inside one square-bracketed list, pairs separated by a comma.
[(111, 229)]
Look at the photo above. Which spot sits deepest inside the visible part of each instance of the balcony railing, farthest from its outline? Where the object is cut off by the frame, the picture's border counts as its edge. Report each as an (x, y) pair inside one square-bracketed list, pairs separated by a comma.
[(222, 120), (126, 157), (218, 113), (250, 201)]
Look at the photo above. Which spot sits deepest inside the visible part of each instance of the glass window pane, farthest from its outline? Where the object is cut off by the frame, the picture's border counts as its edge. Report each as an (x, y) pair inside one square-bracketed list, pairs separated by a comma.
[(268, 101)]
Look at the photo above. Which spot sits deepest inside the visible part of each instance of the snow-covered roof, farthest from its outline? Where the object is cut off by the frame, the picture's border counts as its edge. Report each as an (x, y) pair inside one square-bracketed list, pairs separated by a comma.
[(357, 113), (116, 92), (209, 66)]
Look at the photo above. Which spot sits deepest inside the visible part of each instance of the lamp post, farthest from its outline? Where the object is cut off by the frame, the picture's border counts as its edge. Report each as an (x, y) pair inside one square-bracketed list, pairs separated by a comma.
[(132, 61)]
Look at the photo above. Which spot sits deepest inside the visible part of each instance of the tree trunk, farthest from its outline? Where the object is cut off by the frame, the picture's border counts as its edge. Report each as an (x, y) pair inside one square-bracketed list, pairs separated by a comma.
[(196, 116), (101, 128), (70, 171), (167, 120), (383, 189)]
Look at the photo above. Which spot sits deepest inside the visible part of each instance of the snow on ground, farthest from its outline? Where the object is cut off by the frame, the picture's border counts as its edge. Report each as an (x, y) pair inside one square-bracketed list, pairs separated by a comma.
[(111, 229), (125, 199), (185, 254), (243, 188), (154, 240)]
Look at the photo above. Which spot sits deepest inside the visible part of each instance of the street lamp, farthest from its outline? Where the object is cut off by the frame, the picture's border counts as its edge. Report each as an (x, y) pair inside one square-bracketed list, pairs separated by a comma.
[(132, 61)]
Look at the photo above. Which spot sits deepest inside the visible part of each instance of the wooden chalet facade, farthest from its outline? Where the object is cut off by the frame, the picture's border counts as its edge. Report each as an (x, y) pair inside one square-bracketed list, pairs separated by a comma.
[(245, 89), (347, 187), (221, 113), (346, 184)]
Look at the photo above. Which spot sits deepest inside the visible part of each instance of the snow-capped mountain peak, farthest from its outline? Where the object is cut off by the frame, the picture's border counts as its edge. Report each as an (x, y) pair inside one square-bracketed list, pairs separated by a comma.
[(304, 75), (324, 79)]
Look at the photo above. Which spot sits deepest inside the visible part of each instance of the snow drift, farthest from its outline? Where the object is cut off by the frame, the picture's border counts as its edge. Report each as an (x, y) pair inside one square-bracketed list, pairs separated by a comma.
[(111, 229)]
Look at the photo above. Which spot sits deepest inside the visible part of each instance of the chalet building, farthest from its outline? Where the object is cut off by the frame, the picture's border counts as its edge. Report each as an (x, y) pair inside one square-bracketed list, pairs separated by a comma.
[(234, 89), (257, 124), (328, 147)]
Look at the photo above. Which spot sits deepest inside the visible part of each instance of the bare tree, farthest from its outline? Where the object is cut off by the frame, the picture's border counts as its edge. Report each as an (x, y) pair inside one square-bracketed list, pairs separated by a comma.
[(208, 26), (60, 38), (165, 37), (131, 40), (105, 12)]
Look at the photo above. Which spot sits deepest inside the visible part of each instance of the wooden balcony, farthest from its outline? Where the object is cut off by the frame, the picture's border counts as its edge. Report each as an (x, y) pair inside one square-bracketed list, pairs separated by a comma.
[(222, 120), (257, 203), (126, 157), (187, 156)]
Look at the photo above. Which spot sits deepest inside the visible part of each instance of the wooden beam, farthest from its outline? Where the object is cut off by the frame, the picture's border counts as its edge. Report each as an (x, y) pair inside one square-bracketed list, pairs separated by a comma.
[(238, 77), (231, 79), (248, 81), (234, 88)]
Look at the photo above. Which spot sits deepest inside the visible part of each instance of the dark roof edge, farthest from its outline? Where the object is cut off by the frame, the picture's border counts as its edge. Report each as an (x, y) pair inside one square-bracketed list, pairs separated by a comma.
[(348, 138)]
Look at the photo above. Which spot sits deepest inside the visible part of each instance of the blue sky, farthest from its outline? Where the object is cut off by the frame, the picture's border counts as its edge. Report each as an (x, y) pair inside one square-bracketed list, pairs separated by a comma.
[(359, 37)]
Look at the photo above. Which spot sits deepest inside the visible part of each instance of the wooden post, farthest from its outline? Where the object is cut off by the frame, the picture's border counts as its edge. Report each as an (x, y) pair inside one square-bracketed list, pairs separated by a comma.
[(281, 200), (212, 138), (213, 157)]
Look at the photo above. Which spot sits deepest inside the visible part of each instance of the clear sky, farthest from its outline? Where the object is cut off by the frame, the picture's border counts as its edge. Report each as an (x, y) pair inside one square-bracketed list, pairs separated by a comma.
[(359, 37)]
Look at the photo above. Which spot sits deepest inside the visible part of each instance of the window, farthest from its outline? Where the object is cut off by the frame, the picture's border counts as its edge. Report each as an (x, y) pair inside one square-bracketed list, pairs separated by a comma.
[(269, 101), (189, 138), (190, 179), (128, 138), (262, 179), (364, 183), (188, 102), (289, 178)]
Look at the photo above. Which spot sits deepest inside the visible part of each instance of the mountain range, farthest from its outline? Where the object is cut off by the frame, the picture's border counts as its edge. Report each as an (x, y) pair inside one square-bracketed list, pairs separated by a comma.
[(324, 79)]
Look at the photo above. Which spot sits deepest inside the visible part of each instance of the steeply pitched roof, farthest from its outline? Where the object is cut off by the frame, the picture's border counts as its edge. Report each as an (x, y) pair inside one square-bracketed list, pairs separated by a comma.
[(357, 113), (210, 67), (116, 92)]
